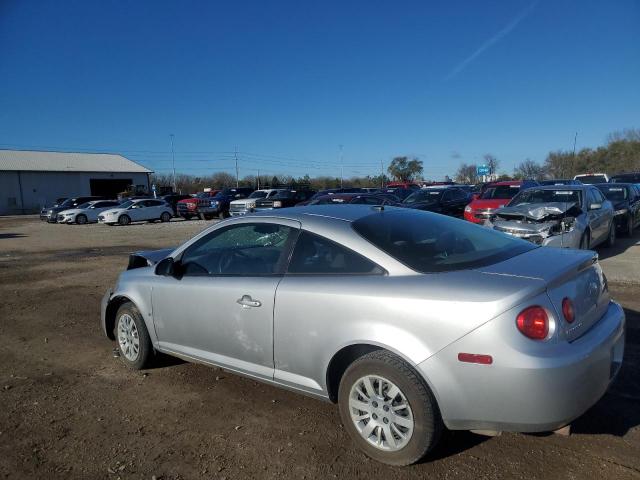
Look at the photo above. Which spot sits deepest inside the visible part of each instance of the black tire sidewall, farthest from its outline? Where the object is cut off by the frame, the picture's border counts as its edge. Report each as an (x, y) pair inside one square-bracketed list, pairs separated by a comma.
[(146, 349), (81, 216), (122, 221), (427, 422), (630, 226), (165, 217)]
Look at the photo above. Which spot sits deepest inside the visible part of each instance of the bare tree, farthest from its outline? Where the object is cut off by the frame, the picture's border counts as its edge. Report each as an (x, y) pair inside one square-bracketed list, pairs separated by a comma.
[(529, 170), (492, 162), (467, 174)]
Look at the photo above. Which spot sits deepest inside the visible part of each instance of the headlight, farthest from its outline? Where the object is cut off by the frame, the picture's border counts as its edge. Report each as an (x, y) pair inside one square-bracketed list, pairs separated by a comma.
[(468, 209), (251, 205), (277, 204), (213, 203), (621, 212), (50, 212)]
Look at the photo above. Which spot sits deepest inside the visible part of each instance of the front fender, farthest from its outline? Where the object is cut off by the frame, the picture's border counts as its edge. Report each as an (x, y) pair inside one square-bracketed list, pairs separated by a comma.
[(140, 297)]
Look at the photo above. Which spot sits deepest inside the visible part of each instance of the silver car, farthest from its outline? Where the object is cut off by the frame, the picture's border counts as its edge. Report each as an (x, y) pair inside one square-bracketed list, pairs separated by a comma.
[(409, 320), (569, 216)]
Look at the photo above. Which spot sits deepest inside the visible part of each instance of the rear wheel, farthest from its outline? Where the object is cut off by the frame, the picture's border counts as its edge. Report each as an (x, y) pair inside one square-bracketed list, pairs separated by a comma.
[(133, 338), (223, 214), (165, 217), (611, 238), (186, 217), (81, 219), (124, 220), (388, 409)]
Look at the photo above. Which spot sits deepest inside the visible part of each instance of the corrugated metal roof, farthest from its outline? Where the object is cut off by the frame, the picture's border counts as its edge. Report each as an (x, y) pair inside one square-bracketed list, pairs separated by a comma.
[(30, 160)]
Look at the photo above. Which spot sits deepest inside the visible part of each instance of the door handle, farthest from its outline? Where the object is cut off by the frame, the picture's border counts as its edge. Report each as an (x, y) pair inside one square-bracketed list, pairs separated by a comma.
[(246, 301)]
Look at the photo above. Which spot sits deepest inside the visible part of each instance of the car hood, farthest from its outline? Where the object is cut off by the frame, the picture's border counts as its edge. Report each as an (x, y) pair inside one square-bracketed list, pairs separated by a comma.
[(539, 211), (114, 211), (489, 203), (148, 258), (188, 200), (245, 201)]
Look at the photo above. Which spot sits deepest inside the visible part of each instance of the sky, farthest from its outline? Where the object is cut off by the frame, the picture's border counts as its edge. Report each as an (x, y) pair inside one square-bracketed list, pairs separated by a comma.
[(286, 83)]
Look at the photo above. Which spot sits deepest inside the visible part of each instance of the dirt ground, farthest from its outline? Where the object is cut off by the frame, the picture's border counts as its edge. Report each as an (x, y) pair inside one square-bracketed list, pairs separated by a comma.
[(69, 409)]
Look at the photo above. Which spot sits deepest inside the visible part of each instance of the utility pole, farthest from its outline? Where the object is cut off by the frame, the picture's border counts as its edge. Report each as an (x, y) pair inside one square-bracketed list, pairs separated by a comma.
[(573, 158), (341, 168), (237, 178), (173, 163), (381, 173), (258, 179)]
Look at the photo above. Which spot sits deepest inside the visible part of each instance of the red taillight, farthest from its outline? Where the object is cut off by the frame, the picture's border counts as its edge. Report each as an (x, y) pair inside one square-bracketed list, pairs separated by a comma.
[(567, 310), (533, 322)]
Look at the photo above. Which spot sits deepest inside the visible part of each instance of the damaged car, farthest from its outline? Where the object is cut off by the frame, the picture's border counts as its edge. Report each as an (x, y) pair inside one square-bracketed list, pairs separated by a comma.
[(567, 216)]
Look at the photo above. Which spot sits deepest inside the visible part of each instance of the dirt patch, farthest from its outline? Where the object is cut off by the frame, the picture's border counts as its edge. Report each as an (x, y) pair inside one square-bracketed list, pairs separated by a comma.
[(69, 409)]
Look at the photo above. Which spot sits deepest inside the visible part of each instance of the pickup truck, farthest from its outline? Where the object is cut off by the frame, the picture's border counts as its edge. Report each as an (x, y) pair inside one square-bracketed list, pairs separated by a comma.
[(285, 198), (219, 205), (188, 208)]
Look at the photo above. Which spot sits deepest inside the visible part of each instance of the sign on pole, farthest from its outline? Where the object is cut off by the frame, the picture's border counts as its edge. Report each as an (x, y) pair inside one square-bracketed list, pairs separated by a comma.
[(482, 170)]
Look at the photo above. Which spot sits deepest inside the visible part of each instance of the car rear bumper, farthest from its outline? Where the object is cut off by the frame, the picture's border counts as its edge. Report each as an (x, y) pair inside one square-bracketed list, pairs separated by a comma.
[(542, 389)]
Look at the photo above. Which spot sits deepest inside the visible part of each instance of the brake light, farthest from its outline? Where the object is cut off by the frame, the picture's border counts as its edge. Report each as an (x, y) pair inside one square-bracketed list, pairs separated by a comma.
[(533, 322), (567, 310)]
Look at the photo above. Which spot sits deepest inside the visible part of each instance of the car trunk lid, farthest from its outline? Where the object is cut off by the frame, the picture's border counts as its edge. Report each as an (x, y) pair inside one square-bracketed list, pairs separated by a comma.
[(572, 274)]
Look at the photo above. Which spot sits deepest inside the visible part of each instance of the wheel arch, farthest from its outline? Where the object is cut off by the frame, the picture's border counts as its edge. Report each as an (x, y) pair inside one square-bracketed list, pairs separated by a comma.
[(110, 315), (344, 357)]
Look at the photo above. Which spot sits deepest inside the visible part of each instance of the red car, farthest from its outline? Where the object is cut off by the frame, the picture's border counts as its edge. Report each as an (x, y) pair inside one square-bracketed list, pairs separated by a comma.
[(495, 195), (188, 207), (411, 185)]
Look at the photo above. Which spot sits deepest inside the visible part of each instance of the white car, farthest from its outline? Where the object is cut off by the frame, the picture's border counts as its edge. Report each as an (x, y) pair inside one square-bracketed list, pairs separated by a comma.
[(246, 205), (87, 212), (137, 211), (592, 178)]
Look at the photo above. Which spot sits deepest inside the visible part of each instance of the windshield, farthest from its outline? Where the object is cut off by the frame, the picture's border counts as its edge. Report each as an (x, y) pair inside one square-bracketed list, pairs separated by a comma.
[(203, 195), (500, 192), (614, 194), (68, 202), (126, 204), (591, 179), (546, 196), (284, 194), (424, 196), (430, 243), (258, 194), (84, 205)]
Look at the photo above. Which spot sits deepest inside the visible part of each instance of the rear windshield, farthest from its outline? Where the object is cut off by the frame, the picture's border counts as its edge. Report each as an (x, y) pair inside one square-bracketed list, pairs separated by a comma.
[(500, 192), (613, 193), (628, 178), (534, 195), (429, 243), (424, 196), (591, 179)]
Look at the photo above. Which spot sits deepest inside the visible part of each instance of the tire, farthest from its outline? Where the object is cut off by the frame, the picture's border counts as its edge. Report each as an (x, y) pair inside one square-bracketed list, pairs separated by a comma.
[(202, 216), (165, 217), (224, 214), (611, 238), (422, 413), (81, 219), (132, 337), (629, 229), (124, 220), (585, 241), (186, 217)]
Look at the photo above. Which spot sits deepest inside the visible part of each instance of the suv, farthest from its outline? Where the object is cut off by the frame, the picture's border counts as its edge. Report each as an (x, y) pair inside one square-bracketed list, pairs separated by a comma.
[(219, 205), (188, 208), (285, 198), (495, 195), (51, 214), (173, 199)]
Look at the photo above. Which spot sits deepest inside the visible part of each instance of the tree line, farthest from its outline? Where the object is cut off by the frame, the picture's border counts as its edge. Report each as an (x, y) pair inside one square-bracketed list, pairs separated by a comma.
[(621, 153)]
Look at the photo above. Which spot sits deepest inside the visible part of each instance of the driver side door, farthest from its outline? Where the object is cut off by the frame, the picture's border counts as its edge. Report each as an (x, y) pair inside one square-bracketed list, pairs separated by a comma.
[(220, 310)]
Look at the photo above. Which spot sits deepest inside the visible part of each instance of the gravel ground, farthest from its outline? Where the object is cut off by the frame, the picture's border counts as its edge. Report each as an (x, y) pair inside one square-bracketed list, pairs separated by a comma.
[(69, 409)]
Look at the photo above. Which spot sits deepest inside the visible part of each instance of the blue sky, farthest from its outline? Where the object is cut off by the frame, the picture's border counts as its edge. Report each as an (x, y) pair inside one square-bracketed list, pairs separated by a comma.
[(287, 82)]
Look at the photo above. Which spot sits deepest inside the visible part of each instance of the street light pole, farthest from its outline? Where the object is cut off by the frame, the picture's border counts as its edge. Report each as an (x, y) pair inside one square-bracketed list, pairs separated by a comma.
[(173, 163), (341, 168)]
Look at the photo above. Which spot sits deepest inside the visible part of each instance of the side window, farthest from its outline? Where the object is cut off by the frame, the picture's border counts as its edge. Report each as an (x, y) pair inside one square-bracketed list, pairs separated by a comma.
[(599, 196), (247, 249), (316, 255)]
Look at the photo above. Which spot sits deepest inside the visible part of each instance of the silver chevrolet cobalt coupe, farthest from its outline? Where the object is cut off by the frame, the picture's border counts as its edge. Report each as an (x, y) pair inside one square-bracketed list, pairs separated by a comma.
[(411, 321)]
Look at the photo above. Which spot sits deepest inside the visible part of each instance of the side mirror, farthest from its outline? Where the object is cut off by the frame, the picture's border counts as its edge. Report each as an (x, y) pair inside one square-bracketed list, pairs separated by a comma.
[(168, 267), (595, 206)]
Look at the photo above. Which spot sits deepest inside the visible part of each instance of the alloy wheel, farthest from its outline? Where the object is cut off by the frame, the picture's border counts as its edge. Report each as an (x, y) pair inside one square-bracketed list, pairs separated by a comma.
[(381, 413), (128, 337)]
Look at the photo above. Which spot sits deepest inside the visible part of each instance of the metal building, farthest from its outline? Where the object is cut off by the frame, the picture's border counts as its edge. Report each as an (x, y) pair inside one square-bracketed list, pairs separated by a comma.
[(30, 180)]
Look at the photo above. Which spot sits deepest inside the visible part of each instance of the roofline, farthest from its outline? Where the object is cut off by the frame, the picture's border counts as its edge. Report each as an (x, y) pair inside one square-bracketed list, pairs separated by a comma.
[(70, 151)]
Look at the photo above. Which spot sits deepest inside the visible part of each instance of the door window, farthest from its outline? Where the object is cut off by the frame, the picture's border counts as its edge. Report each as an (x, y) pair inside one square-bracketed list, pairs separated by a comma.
[(247, 249), (317, 255)]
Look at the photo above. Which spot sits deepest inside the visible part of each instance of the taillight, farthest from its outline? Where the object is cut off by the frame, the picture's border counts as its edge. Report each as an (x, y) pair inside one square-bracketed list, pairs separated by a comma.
[(533, 322), (567, 310)]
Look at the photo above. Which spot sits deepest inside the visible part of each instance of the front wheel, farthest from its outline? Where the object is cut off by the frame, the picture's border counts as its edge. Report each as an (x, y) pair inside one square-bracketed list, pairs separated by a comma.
[(388, 409), (81, 219), (133, 338), (124, 220)]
